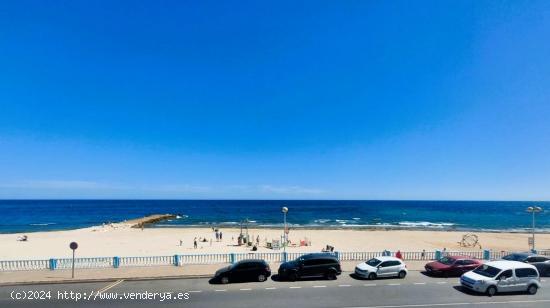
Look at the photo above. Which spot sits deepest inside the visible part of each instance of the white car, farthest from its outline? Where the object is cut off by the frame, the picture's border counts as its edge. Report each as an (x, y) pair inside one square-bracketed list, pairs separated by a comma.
[(502, 276), (381, 267)]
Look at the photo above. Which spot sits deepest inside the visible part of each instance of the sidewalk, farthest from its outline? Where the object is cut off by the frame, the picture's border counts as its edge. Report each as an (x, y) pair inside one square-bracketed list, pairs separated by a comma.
[(137, 273)]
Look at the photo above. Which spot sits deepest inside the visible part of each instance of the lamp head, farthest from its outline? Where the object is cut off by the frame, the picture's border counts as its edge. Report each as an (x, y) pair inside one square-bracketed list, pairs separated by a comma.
[(284, 209)]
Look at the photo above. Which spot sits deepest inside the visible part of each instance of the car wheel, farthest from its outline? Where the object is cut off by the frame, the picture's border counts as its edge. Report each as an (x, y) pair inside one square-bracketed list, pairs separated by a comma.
[(225, 280), (402, 274), (261, 278), (293, 276), (532, 289), (330, 276), (372, 276), (491, 291)]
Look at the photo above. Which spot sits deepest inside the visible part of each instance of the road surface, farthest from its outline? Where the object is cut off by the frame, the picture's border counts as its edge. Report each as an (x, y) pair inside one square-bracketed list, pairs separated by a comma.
[(416, 290)]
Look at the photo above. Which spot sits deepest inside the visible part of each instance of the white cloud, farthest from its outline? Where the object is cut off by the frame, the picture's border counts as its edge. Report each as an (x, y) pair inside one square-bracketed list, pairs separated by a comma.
[(295, 190), (172, 189), (55, 184), (178, 188)]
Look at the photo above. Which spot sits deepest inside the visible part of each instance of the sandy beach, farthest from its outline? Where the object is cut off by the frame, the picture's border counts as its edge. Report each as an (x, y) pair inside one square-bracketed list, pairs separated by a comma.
[(121, 240)]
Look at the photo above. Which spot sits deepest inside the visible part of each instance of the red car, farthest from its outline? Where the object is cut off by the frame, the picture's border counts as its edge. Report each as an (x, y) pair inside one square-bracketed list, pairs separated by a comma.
[(452, 266)]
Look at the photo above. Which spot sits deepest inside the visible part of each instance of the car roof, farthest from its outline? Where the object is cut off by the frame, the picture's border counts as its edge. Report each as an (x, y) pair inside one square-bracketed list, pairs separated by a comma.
[(251, 261), (522, 254), (459, 257), (504, 264), (318, 255), (387, 258)]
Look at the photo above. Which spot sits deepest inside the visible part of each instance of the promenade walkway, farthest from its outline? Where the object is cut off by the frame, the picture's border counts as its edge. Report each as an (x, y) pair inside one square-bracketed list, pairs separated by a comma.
[(48, 276)]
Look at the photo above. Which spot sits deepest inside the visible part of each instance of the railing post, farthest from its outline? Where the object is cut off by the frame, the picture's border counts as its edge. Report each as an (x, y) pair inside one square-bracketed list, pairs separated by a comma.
[(53, 264), (285, 256), (438, 254), (337, 254), (116, 262), (486, 254), (232, 258)]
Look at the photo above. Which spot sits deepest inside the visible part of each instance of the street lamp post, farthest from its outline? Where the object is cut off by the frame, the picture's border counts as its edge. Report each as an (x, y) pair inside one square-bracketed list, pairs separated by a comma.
[(533, 210), (284, 210), (246, 221)]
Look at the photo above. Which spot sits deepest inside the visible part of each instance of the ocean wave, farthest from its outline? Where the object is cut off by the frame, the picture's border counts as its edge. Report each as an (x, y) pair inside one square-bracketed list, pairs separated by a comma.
[(425, 224), (43, 224), (321, 221)]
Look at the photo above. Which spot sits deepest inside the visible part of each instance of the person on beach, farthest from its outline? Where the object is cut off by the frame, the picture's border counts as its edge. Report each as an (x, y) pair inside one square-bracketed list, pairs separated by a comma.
[(195, 243), (220, 235), (181, 242), (398, 255), (217, 236)]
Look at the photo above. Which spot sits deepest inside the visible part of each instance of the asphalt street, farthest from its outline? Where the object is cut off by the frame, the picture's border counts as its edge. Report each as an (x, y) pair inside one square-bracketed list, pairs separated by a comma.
[(416, 290)]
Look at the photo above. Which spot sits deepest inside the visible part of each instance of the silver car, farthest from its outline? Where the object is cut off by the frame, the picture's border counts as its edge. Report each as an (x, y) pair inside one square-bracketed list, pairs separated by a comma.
[(381, 267)]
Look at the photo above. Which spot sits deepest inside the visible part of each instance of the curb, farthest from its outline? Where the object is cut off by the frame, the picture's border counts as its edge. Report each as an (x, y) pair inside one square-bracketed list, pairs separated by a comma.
[(43, 282), (46, 282)]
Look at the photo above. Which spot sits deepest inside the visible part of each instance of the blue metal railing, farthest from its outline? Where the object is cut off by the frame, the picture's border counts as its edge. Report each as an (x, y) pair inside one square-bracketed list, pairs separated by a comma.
[(220, 258)]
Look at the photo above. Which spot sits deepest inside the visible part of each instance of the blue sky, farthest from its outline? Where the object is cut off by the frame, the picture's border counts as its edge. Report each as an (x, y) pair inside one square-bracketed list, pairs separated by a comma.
[(275, 100)]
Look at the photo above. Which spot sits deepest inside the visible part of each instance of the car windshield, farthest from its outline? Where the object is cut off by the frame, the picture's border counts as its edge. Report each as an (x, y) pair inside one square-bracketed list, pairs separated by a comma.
[(373, 262), (487, 271), (447, 260)]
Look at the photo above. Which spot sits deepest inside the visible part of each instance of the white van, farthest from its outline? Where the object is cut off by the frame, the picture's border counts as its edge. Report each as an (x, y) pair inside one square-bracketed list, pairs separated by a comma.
[(502, 276)]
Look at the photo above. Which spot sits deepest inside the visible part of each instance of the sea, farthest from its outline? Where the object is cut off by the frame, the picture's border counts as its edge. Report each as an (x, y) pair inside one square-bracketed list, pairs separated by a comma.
[(47, 215)]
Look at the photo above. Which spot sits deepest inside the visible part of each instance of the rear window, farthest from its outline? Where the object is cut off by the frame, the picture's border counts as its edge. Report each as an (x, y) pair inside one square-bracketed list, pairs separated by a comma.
[(526, 272), (487, 271), (514, 257), (447, 260)]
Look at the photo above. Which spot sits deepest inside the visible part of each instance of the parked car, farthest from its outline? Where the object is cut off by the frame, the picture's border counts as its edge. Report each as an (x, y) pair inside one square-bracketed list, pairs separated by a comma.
[(452, 266), (502, 276), (542, 263), (381, 267), (245, 270), (311, 265)]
